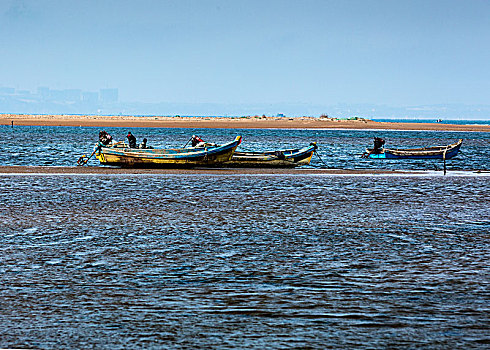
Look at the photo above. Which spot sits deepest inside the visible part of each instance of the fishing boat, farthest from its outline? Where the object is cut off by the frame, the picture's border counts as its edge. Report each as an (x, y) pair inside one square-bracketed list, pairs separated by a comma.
[(437, 152), (285, 158), (120, 154)]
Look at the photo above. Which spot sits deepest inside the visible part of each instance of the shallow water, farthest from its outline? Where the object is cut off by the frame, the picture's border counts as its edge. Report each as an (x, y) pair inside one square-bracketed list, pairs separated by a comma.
[(244, 262), (338, 149)]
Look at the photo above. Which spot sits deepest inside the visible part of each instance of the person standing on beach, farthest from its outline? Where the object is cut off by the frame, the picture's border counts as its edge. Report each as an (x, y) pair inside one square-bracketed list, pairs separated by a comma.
[(131, 140)]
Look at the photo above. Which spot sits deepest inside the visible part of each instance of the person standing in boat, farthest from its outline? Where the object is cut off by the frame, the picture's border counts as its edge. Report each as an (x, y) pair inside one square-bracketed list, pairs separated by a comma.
[(131, 140), (105, 138), (197, 141), (143, 144), (378, 145), (377, 149)]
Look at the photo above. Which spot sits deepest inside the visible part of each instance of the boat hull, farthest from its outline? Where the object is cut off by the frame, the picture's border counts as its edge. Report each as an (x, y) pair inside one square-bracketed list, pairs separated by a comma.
[(166, 158), (273, 159), (443, 152)]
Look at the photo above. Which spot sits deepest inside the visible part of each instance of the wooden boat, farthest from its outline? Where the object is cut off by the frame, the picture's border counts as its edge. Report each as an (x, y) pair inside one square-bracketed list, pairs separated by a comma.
[(121, 155), (437, 152), (286, 158)]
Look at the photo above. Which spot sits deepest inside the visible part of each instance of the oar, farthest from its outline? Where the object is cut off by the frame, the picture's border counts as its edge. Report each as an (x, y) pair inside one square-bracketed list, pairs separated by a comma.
[(187, 142), (82, 161)]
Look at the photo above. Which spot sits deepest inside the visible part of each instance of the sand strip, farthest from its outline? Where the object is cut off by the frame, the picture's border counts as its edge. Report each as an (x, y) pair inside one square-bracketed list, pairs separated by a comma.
[(255, 122), (206, 171)]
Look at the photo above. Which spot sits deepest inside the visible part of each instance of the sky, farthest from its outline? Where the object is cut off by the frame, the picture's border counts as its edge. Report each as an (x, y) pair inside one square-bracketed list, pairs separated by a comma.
[(395, 53)]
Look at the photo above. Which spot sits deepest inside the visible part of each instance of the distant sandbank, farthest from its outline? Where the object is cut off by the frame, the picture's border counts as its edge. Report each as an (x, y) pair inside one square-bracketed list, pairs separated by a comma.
[(250, 122)]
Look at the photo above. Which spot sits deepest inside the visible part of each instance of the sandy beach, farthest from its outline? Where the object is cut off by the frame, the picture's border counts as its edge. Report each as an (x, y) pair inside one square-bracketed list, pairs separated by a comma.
[(95, 170), (249, 122)]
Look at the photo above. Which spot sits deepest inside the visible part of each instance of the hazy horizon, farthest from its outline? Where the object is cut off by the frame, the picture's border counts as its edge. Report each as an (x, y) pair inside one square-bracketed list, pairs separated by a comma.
[(315, 54)]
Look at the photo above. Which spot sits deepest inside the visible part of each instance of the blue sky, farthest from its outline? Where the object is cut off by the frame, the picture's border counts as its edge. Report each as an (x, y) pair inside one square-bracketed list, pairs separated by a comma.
[(395, 53)]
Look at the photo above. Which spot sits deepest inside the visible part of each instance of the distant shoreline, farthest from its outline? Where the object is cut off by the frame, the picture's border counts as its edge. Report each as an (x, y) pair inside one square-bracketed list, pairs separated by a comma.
[(250, 122)]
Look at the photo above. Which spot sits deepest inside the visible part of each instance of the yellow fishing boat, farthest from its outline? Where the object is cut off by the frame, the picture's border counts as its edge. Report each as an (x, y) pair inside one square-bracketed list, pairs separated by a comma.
[(120, 154)]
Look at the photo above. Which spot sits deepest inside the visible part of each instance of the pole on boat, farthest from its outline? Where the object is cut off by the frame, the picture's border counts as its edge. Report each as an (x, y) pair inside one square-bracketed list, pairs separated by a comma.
[(444, 158), (187, 142)]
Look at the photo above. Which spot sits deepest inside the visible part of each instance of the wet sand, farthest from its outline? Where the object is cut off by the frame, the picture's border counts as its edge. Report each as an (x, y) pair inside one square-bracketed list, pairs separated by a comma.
[(196, 171), (251, 122)]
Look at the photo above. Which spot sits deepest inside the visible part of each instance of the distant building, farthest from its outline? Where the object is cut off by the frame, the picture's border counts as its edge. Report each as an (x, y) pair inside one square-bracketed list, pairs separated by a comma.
[(68, 95), (6, 91), (90, 97), (43, 92), (73, 95), (109, 95), (57, 95)]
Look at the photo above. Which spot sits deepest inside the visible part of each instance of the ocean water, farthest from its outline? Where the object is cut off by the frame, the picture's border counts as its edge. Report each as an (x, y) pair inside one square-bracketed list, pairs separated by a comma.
[(254, 262), (244, 261), (338, 149), (443, 121)]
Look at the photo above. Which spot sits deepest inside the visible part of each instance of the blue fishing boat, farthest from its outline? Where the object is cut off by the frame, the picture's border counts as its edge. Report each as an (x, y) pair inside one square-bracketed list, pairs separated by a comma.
[(120, 154), (283, 158), (436, 152)]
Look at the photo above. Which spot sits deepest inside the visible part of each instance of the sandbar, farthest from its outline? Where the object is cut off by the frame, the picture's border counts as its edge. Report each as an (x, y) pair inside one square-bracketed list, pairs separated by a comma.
[(102, 170), (248, 122)]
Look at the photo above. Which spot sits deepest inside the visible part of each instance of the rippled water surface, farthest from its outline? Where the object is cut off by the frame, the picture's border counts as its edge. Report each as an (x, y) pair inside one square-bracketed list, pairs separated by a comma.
[(244, 262), (339, 149)]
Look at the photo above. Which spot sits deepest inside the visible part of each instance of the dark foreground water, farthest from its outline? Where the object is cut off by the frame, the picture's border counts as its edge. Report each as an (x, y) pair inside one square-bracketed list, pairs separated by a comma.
[(244, 262)]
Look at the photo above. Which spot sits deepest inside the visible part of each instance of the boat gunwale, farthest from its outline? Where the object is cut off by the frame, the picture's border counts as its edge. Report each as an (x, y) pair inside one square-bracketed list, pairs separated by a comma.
[(265, 156), (149, 153), (424, 151), (428, 149), (147, 158), (270, 159), (439, 152)]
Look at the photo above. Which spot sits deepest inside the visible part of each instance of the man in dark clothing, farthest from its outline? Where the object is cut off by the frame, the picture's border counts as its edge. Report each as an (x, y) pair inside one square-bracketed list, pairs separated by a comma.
[(131, 140), (143, 144), (378, 145), (105, 138), (377, 149)]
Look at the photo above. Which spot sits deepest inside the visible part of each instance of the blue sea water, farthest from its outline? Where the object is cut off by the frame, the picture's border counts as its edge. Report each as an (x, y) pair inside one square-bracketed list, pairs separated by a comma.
[(244, 261), (338, 149), (443, 121), (227, 262)]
